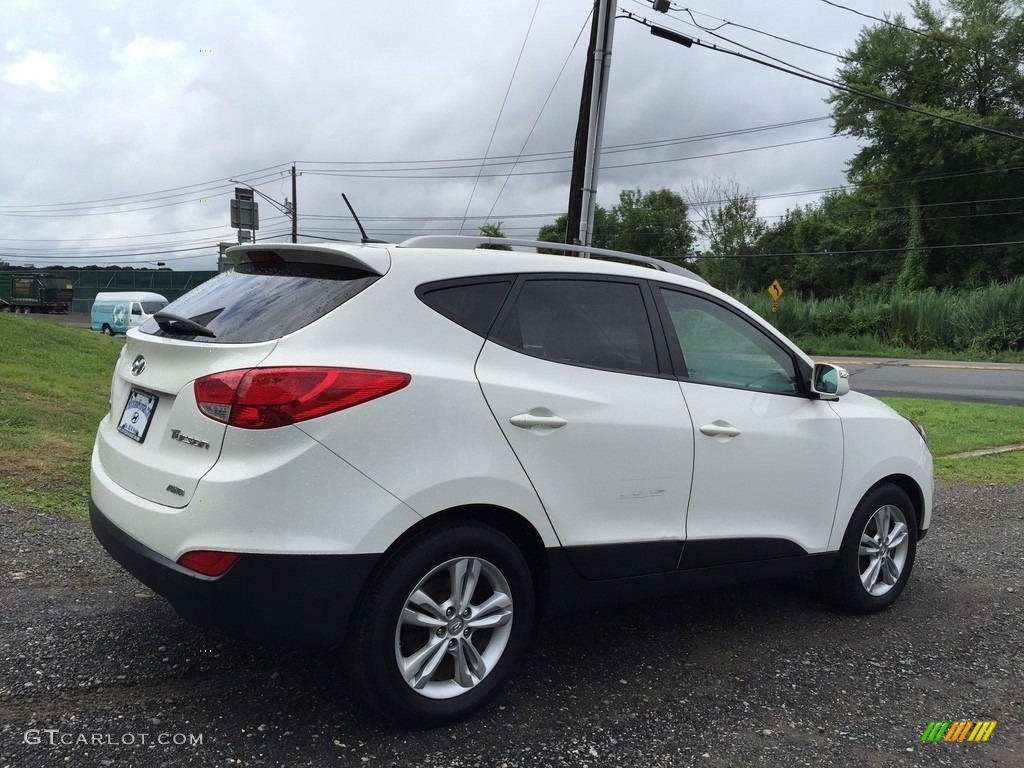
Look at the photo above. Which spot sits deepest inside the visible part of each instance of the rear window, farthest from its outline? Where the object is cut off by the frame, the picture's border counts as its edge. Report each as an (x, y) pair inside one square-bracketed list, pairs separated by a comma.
[(261, 302)]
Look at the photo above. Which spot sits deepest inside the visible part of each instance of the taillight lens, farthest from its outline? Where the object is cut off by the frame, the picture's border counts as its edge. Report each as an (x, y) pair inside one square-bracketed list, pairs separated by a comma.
[(208, 562), (264, 398)]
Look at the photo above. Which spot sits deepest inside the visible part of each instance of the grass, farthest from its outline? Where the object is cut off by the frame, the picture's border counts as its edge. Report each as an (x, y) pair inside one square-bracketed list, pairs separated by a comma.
[(978, 324), (55, 381), (870, 346), (54, 385), (958, 427)]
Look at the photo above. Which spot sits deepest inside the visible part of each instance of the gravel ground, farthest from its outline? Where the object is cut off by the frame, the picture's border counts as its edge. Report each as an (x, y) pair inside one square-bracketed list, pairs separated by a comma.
[(97, 671)]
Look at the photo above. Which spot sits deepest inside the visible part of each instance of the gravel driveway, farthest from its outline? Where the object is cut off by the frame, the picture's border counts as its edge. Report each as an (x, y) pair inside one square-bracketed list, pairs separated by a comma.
[(97, 671)]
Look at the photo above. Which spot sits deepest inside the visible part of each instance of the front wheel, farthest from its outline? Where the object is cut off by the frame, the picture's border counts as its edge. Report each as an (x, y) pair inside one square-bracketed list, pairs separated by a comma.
[(877, 553), (441, 627)]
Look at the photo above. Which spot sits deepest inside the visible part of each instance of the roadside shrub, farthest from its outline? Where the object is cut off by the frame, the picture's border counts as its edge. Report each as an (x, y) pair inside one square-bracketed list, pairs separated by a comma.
[(983, 321)]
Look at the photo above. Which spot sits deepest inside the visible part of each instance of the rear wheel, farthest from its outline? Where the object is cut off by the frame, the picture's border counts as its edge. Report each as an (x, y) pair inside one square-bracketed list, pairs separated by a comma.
[(107, 330), (441, 627), (877, 554)]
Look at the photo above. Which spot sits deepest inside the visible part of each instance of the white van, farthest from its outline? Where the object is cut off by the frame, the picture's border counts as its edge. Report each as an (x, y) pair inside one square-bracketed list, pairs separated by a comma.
[(117, 311)]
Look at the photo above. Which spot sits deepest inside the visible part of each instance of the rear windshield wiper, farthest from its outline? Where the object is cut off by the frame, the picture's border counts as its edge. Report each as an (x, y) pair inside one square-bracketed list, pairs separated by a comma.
[(181, 326)]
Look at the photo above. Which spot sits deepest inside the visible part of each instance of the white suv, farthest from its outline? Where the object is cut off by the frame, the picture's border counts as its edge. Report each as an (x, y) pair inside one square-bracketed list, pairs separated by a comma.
[(415, 451)]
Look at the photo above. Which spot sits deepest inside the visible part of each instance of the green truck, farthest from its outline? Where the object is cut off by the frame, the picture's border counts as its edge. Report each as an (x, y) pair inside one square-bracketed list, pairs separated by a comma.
[(32, 292)]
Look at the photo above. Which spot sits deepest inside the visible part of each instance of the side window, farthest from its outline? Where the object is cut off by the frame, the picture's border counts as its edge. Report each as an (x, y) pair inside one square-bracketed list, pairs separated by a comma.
[(594, 323), (136, 308), (471, 305), (720, 347)]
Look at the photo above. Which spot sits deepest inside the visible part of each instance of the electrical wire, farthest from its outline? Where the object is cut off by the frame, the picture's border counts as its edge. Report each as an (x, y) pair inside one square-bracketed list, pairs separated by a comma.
[(951, 41), (821, 80), (190, 189), (540, 113), (501, 111)]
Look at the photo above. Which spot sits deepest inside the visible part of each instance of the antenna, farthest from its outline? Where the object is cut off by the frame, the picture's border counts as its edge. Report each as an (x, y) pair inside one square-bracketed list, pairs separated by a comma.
[(358, 222)]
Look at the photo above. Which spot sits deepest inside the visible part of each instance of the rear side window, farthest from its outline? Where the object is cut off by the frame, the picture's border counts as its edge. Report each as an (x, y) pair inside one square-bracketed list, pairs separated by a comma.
[(473, 305), (594, 323), (257, 302)]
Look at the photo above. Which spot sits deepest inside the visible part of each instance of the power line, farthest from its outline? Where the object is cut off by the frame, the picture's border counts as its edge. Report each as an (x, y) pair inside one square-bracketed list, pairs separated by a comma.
[(951, 41), (865, 251), (806, 75), (540, 113), (141, 197), (501, 111)]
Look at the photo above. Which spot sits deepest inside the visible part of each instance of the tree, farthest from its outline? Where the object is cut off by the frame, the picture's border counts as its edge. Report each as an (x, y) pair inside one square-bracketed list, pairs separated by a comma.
[(493, 230), (845, 242), (653, 224), (956, 187), (603, 230), (650, 223), (730, 228)]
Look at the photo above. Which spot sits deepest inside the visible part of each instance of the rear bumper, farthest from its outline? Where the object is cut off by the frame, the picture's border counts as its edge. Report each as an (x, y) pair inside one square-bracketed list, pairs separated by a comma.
[(305, 599)]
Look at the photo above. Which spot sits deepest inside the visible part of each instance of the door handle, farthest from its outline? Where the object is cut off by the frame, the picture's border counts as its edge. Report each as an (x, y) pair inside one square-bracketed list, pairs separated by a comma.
[(530, 420), (719, 429)]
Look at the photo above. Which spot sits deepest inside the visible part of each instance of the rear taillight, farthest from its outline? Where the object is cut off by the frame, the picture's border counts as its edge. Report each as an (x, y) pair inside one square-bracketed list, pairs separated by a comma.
[(263, 398), (208, 562)]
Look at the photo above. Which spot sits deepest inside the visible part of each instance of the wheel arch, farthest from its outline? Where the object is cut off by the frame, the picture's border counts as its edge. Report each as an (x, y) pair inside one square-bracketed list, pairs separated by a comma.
[(506, 521), (910, 487)]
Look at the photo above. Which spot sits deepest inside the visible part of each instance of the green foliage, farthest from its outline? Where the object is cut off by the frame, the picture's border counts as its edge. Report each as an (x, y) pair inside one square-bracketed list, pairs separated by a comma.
[(494, 230), (650, 223), (604, 226), (732, 230), (957, 187), (653, 224), (978, 324)]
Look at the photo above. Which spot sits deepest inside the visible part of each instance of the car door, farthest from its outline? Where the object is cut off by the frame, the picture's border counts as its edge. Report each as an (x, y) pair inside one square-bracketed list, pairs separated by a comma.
[(768, 459), (583, 393)]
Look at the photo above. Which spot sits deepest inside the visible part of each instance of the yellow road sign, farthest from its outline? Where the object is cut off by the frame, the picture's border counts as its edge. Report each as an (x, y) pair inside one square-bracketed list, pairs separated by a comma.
[(775, 290)]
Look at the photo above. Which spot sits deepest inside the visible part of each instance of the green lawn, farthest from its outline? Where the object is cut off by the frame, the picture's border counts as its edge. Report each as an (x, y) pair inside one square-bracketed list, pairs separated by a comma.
[(959, 427), (55, 380), (54, 384)]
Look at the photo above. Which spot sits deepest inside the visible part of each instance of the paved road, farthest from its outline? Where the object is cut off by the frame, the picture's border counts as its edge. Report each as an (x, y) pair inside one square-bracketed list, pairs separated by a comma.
[(96, 671), (1000, 383)]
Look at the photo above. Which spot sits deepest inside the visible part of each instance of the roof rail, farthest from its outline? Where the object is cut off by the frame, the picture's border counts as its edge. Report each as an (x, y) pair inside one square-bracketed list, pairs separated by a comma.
[(584, 251)]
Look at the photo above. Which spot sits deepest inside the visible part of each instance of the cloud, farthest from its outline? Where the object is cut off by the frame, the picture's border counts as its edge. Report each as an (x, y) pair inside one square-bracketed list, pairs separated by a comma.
[(43, 70), (156, 105)]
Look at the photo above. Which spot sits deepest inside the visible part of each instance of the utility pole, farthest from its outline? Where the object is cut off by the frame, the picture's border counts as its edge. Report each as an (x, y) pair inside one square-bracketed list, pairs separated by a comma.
[(295, 209), (579, 150), (587, 152)]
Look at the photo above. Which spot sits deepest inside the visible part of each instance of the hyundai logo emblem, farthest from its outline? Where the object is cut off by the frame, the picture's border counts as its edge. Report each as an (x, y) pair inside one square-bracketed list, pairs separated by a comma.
[(138, 365)]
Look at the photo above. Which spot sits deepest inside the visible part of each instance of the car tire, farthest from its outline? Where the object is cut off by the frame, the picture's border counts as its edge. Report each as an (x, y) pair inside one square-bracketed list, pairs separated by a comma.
[(107, 331), (443, 623), (877, 554)]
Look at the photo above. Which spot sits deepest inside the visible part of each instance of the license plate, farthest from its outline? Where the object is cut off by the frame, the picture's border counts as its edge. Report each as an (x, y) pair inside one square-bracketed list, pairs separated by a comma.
[(137, 414)]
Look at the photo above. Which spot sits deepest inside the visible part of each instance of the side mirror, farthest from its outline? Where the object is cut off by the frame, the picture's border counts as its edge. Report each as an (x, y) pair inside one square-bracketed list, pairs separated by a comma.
[(830, 382)]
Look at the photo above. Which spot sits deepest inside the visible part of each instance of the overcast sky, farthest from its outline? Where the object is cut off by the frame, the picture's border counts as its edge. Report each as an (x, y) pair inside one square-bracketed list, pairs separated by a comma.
[(123, 121)]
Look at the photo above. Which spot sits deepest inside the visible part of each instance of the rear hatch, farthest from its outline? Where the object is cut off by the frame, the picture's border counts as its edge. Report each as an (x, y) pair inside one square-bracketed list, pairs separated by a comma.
[(155, 442)]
